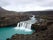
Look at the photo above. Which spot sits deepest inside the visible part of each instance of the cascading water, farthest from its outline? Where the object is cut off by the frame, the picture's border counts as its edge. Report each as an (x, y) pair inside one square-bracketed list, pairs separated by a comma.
[(26, 25)]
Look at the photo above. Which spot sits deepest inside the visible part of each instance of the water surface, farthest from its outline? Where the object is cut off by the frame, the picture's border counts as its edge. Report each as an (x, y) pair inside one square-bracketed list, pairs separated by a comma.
[(7, 32)]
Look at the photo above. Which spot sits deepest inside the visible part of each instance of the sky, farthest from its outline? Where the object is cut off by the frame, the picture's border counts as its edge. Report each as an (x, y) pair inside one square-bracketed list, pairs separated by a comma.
[(26, 5)]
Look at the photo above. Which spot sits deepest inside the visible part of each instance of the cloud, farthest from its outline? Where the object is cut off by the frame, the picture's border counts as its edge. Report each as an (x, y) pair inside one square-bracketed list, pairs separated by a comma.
[(3, 3), (26, 5)]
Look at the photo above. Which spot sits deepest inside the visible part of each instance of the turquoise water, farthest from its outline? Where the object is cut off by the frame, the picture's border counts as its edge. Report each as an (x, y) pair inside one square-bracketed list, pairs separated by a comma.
[(7, 32)]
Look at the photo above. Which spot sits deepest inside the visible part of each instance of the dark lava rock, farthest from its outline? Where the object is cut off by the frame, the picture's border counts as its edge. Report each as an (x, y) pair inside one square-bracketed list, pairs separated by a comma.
[(39, 26), (8, 39), (46, 34), (42, 35), (12, 20)]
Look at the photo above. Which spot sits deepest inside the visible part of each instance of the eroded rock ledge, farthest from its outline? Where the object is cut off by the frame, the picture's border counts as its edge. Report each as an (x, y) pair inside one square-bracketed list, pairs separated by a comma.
[(39, 34), (42, 35), (12, 19), (44, 31)]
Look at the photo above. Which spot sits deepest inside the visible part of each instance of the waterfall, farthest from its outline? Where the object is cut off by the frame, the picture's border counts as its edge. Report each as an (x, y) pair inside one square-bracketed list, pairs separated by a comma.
[(26, 25)]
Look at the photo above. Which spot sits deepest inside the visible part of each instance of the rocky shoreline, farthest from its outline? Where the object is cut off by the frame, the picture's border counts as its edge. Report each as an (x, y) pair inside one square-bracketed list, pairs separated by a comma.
[(39, 35), (44, 29), (11, 17), (40, 30), (12, 20)]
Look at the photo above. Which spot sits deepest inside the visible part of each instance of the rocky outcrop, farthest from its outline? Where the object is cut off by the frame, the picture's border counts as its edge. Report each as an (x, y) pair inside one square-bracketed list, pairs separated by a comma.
[(40, 25), (8, 18), (12, 17), (42, 35), (11, 20)]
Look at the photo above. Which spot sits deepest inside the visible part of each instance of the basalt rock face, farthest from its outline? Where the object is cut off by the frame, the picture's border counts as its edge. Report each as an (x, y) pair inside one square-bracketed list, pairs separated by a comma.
[(40, 25), (46, 34), (38, 28), (12, 17), (42, 35), (8, 18)]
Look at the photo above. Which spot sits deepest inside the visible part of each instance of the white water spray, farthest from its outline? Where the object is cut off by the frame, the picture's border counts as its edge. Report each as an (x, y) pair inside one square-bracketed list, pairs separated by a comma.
[(26, 25)]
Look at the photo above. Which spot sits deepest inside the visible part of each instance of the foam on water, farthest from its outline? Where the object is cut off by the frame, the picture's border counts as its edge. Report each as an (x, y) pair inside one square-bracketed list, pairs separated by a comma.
[(26, 25)]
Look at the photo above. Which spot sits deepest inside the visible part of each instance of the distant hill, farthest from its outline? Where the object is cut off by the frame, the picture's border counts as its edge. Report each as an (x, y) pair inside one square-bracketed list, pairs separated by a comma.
[(45, 12), (12, 17)]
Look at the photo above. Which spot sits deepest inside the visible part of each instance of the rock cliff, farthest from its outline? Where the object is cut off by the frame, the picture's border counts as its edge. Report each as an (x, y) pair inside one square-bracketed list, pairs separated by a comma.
[(11, 17)]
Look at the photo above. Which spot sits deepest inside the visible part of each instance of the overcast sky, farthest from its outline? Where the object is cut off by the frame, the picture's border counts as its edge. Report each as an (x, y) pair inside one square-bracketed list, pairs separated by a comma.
[(26, 5)]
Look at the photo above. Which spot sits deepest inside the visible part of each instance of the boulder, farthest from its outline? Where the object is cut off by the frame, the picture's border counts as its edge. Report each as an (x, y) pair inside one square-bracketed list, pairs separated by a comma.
[(39, 26)]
